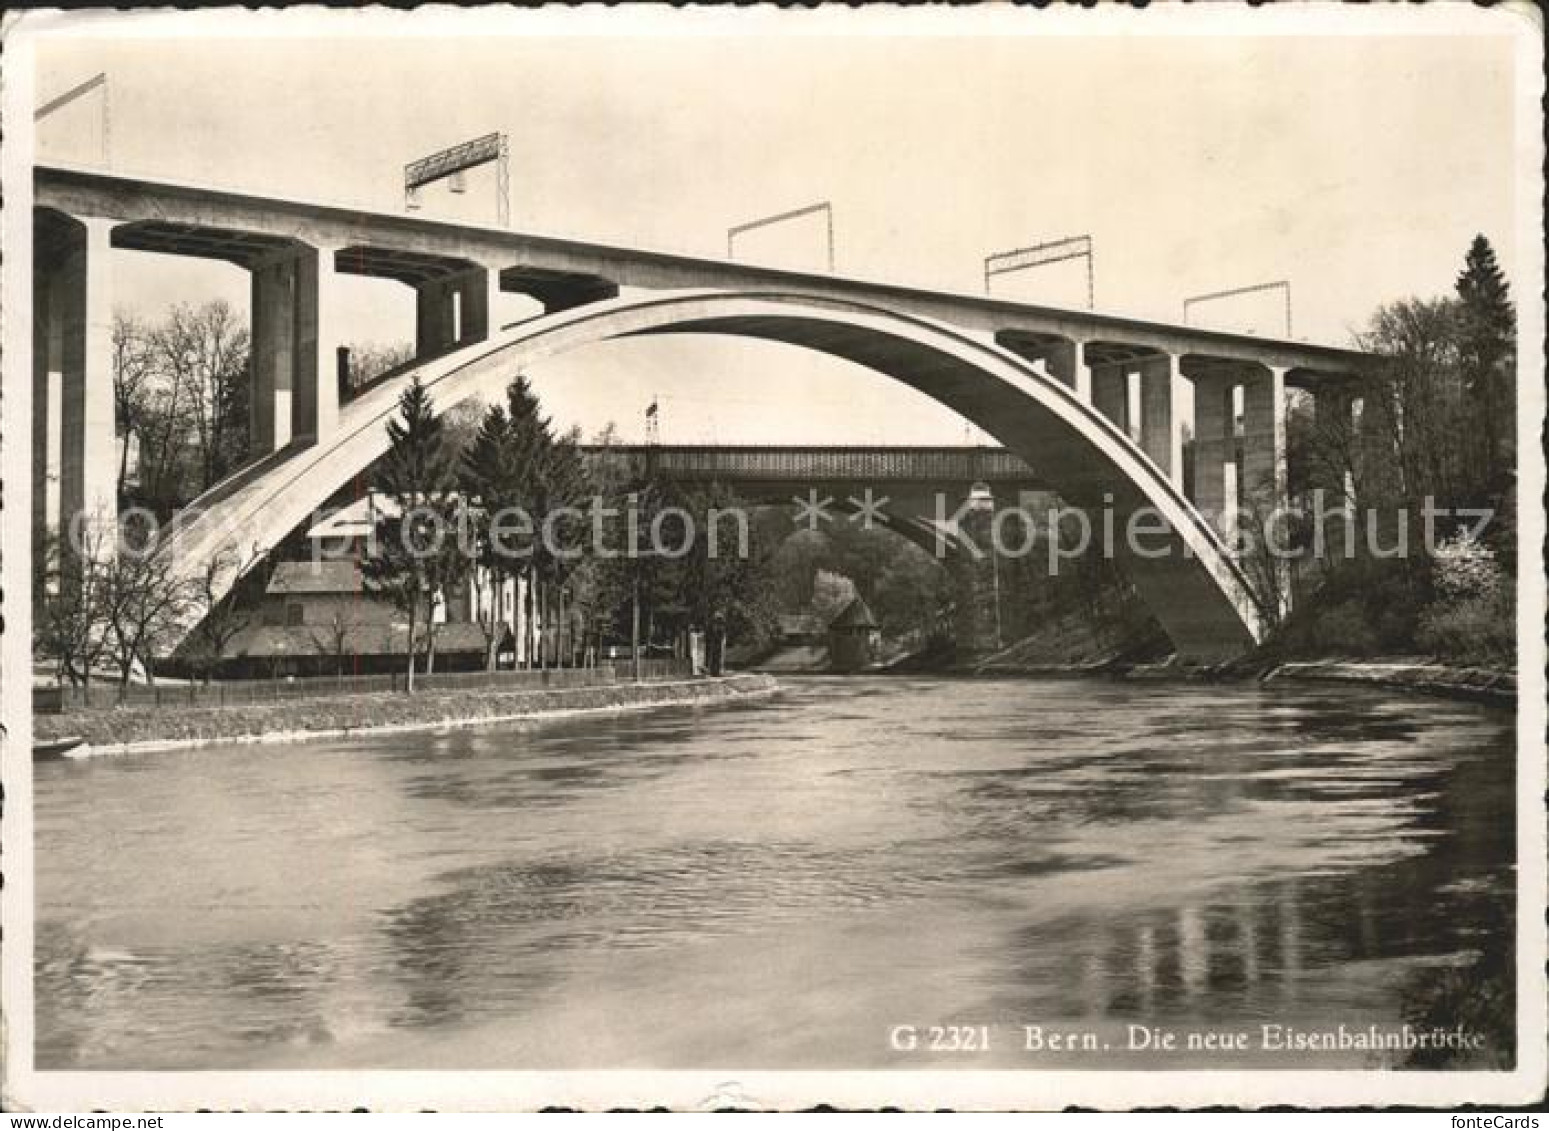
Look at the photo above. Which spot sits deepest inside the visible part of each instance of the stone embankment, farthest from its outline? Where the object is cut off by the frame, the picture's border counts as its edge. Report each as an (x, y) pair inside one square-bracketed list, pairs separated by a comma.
[(132, 729)]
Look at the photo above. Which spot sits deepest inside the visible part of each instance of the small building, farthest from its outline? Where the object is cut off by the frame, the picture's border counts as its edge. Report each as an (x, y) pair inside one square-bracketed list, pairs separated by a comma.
[(316, 618), (854, 638), (481, 598)]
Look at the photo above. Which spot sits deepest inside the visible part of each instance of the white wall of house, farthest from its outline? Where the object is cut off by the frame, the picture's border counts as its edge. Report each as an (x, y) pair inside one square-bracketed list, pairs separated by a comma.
[(505, 600)]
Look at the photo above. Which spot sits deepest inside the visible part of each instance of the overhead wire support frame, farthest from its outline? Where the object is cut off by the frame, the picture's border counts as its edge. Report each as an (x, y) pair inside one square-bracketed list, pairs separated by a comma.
[(1278, 284), (454, 161), (1041, 255), (97, 81)]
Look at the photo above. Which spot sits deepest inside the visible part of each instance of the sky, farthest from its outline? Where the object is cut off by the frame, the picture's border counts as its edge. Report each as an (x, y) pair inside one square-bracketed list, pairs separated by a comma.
[(1357, 167)]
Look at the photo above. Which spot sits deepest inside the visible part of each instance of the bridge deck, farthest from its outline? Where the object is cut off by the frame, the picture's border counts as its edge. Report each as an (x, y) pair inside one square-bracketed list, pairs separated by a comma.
[(189, 212)]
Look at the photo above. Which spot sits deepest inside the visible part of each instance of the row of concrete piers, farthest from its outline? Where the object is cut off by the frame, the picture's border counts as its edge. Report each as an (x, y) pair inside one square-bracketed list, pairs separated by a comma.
[(1149, 387), (1238, 412), (300, 366)]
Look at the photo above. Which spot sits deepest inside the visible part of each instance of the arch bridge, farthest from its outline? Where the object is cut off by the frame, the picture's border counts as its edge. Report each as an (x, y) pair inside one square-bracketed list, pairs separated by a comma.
[(1093, 401)]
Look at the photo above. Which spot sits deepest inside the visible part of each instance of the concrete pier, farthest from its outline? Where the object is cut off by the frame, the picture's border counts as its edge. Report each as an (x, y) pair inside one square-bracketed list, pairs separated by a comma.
[(1161, 427), (453, 310), (1110, 394), (75, 457), (273, 351), (1066, 361), (1215, 487), (1263, 435), (318, 337)]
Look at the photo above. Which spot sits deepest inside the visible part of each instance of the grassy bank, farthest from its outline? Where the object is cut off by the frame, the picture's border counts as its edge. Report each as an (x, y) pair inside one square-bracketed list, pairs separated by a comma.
[(134, 728)]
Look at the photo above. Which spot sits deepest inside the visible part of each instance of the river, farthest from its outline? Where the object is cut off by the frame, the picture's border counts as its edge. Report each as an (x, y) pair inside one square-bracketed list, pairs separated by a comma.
[(796, 882)]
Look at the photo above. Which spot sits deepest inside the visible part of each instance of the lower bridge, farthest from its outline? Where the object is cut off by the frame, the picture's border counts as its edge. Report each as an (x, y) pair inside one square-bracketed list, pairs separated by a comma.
[(927, 495), (933, 467), (1100, 400)]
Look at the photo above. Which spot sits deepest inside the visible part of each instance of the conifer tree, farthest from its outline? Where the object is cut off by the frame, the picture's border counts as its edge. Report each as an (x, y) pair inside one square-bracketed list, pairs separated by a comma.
[(1487, 363), (492, 480), (417, 553)]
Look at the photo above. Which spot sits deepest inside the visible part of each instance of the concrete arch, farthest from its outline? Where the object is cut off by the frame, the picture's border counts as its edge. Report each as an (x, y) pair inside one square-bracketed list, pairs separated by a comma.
[(1192, 584)]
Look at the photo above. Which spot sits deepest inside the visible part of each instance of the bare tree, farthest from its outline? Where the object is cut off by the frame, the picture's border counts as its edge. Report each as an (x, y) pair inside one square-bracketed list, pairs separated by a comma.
[(370, 361), (1324, 453), (143, 599), (1413, 418), (333, 639), (132, 386), (221, 615), (1269, 538), (202, 353), (71, 630)]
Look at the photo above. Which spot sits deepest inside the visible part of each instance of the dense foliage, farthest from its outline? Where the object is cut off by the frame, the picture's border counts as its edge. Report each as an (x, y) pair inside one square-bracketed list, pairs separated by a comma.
[(1435, 432)]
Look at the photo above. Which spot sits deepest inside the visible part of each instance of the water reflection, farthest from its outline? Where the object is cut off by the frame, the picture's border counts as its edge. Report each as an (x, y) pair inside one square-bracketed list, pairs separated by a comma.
[(769, 884)]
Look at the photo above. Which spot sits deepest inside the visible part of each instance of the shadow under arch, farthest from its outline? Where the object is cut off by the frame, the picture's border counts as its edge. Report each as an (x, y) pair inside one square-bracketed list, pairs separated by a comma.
[(1183, 572)]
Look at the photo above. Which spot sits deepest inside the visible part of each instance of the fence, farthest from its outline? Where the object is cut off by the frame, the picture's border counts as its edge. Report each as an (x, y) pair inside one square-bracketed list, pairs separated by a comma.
[(231, 693)]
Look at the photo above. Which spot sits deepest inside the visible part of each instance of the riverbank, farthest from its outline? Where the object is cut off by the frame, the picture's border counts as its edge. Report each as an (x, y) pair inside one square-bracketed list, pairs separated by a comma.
[(1419, 675), (125, 730), (1424, 676)]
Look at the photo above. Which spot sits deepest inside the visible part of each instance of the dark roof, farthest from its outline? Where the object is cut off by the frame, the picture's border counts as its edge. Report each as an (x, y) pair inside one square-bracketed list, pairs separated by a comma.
[(315, 577), (359, 640), (854, 615)]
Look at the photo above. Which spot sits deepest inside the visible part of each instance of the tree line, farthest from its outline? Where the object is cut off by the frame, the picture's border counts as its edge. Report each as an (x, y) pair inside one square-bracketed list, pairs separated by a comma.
[(1436, 428), (589, 552), (182, 387)]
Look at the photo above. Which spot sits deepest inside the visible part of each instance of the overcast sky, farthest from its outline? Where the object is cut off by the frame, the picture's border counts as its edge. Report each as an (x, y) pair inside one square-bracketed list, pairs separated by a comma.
[(1357, 167)]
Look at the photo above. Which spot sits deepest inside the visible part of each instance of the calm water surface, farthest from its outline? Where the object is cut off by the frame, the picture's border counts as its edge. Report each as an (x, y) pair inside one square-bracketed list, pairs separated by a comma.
[(775, 884)]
